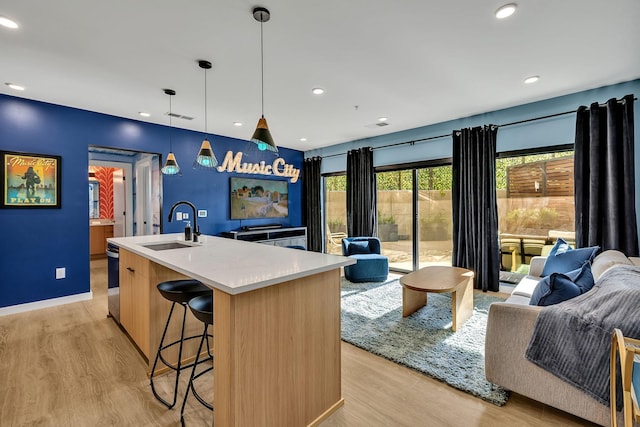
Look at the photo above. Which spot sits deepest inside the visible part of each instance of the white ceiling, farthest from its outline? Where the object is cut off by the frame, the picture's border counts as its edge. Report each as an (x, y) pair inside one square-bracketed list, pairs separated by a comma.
[(417, 62)]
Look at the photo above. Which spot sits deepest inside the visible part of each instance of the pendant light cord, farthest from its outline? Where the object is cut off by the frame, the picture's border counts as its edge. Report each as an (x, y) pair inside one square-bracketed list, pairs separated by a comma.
[(170, 126), (206, 129), (262, 65)]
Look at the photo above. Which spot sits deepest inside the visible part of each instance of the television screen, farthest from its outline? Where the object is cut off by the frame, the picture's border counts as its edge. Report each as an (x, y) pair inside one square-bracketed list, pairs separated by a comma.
[(258, 198)]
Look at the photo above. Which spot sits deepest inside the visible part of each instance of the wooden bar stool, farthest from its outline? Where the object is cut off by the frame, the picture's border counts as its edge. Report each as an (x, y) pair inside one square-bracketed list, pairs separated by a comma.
[(202, 309), (178, 292)]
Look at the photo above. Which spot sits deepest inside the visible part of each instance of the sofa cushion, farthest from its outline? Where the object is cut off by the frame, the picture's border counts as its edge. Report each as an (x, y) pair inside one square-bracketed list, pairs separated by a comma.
[(567, 261), (359, 247), (558, 287), (606, 260), (526, 286)]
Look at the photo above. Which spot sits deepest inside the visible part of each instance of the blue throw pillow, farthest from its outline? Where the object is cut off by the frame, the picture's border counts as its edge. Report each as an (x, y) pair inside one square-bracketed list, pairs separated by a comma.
[(359, 247), (570, 260), (558, 287), (553, 289), (560, 247), (582, 277)]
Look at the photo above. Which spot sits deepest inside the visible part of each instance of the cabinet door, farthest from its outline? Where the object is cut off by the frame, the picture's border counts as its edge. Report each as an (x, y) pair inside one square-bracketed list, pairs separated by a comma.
[(134, 298), (108, 232), (96, 239)]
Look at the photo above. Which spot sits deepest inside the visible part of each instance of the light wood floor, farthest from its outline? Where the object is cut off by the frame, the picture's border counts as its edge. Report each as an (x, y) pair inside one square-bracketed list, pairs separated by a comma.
[(72, 366)]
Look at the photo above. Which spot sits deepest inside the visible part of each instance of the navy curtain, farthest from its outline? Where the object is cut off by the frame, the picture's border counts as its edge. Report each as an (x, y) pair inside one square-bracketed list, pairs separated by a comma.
[(605, 177), (475, 209), (311, 211), (361, 194)]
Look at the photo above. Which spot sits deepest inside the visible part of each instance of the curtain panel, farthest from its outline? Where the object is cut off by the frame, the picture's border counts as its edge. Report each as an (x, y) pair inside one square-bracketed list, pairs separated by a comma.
[(311, 208), (361, 194), (605, 176), (475, 209)]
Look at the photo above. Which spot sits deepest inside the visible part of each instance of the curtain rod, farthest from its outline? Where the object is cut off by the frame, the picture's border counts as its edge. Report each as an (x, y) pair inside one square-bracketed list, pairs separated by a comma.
[(412, 142), (554, 115)]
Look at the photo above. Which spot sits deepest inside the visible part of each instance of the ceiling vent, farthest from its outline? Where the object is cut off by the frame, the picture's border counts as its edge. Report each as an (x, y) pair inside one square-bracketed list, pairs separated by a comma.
[(179, 116), (377, 125)]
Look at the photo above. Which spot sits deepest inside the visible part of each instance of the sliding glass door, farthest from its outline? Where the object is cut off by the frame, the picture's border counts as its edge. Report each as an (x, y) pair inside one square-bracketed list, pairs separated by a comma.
[(335, 212), (434, 223), (395, 217), (414, 217), (535, 205)]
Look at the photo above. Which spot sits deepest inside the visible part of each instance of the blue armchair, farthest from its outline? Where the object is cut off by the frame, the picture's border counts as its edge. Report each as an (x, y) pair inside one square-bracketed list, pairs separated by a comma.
[(370, 265)]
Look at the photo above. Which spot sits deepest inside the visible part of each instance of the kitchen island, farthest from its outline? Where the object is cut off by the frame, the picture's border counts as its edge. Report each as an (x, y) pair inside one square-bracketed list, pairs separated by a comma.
[(276, 322)]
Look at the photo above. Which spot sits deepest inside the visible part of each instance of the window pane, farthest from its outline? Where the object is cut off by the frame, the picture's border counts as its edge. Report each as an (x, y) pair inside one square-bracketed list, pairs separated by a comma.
[(535, 205), (435, 216), (395, 229), (335, 213)]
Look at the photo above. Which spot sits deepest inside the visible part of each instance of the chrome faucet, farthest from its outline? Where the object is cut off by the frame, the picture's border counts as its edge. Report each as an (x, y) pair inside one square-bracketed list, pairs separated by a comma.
[(196, 229)]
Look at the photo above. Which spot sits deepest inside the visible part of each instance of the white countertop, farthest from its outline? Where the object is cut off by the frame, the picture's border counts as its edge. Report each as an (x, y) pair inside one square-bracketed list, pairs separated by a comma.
[(232, 266), (100, 222)]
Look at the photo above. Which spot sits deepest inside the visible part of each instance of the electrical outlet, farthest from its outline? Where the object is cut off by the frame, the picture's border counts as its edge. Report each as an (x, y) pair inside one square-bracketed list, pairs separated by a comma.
[(202, 213), (178, 216), (61, 273)]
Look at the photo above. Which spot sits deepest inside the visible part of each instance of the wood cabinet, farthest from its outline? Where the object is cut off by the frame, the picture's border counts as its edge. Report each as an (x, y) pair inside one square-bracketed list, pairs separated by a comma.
[(98, 239), (143, 310), (134, 298)]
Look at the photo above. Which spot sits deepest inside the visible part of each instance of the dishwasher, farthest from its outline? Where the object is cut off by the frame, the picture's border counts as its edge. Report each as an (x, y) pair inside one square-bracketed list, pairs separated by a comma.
[(113, 280)]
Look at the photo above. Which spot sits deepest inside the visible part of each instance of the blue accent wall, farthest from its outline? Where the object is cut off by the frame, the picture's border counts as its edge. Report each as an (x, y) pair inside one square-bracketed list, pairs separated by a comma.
[(37, 241)]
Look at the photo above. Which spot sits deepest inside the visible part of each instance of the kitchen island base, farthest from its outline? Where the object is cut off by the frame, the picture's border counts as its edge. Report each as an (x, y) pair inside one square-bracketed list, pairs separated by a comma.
[(281, 345)]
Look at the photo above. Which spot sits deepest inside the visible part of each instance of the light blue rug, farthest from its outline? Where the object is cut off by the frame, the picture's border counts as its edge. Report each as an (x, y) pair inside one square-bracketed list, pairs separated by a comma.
[(372, 320)]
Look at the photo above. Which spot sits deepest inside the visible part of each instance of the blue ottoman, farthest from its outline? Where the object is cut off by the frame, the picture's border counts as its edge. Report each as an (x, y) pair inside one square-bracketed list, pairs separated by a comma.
[(368, 268)]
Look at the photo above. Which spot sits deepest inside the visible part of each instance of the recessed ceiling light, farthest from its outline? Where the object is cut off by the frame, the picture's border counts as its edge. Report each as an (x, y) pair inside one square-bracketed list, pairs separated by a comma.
[(303, 139), (531, 79), (143, 114), (6, 22), (382, 119), (506, 10), (237, 124), (317, 91), (15, 86)]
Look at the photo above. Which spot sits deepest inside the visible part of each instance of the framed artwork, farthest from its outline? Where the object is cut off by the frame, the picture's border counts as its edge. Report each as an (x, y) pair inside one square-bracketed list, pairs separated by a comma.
[(258, 198), (30, 180)]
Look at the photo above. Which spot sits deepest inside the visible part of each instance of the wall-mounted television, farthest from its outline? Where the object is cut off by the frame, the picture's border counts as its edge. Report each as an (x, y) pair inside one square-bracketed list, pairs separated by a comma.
[(253, 198)]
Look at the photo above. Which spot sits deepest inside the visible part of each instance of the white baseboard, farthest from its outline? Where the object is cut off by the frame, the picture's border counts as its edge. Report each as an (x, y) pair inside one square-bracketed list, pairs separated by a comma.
[(37, 305)]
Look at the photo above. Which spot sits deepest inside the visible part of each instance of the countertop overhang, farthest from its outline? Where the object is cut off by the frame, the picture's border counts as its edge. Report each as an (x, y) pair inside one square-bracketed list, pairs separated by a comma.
[(232, 266)]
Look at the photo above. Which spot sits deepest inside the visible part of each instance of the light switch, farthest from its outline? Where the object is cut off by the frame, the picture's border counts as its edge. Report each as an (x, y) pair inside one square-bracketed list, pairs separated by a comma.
[(185, 216), (178, 216), (61, 273)]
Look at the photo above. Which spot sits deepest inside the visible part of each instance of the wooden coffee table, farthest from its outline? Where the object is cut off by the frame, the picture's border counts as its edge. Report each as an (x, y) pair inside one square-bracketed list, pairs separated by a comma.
[(439, 279)]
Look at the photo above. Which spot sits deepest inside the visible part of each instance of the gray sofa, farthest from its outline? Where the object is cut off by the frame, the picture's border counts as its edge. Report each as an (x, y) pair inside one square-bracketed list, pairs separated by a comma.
[(509, 328)]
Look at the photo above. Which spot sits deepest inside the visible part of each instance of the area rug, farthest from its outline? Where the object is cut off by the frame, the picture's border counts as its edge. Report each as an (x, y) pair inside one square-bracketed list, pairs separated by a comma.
[(372, 320)]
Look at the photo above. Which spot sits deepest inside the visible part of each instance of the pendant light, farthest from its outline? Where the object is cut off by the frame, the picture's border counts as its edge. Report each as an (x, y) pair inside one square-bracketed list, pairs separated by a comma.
[(262, 137), (206, 159), (171, 165)]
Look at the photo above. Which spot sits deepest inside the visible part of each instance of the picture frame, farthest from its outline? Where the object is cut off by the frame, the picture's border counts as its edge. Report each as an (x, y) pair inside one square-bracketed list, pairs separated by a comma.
[(30, 180), (254, 198)]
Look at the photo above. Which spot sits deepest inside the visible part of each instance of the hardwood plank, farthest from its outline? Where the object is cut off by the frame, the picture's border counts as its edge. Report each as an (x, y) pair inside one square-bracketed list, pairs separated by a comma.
[(72, 365)]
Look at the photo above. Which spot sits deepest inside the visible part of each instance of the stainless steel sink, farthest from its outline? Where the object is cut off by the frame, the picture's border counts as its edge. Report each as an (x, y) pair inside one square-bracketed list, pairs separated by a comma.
[(167, 245)]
